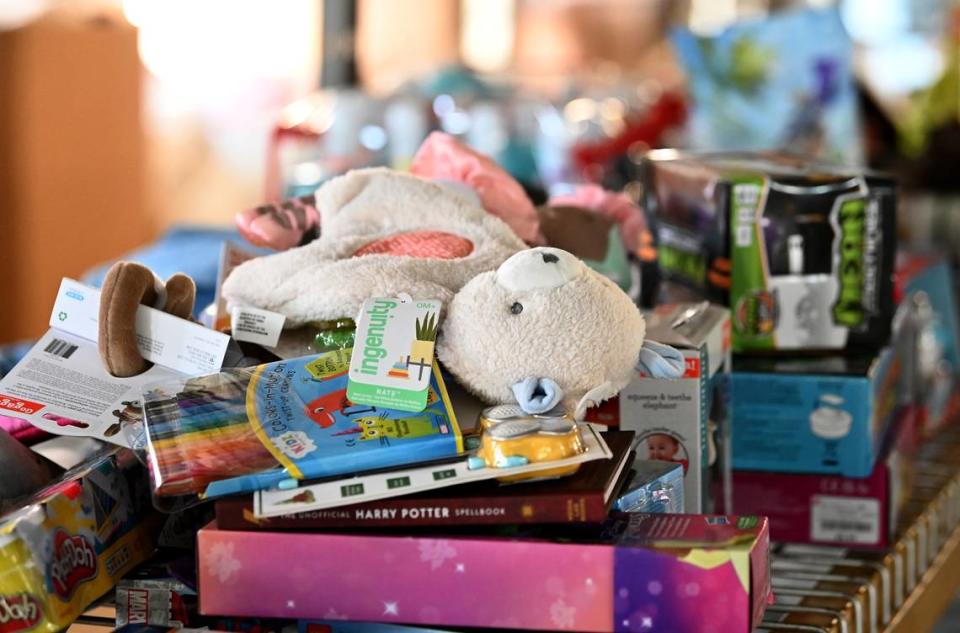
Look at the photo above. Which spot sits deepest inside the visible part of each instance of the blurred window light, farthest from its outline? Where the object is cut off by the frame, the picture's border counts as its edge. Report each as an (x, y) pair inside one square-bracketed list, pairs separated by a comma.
[(907, 64), (210, 52), (580, 109), (711, 16), (373, 137), (443, 105), (875, 22), (16, 13), (487, 33)]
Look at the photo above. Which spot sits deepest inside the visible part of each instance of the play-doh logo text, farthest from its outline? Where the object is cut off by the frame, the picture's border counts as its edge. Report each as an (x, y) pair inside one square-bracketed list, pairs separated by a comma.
[(20, 612), (74, 561)]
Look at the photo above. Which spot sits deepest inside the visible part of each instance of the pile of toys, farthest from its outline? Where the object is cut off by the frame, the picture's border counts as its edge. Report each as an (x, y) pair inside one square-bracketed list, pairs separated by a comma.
[(715, 398)]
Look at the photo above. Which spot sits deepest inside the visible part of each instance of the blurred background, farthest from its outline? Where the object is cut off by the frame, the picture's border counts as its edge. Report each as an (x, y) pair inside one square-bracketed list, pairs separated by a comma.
[(121, 121)]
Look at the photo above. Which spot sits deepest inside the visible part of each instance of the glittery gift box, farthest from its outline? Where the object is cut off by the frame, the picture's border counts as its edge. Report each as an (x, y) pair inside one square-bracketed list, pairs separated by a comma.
[(652, 573)]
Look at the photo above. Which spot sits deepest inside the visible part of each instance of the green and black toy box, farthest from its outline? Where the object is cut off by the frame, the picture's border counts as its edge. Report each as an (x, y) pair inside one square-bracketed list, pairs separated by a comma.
[(802, 254)]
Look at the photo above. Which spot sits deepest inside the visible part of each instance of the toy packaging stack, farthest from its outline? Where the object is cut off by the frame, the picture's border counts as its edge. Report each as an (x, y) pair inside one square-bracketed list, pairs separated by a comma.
[(70, 543), (801, 253), (512, 366)]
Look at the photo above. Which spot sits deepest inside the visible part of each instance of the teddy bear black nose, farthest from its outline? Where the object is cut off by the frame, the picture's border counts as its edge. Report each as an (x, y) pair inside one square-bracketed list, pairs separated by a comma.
[(550, 258)]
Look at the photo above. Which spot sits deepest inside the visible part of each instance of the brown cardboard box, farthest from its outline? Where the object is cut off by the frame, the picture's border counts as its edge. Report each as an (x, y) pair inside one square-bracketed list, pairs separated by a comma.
[(71, 159)]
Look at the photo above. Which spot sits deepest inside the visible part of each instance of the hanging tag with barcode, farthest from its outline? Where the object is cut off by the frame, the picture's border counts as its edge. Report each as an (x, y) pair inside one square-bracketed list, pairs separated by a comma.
[(392, 358)]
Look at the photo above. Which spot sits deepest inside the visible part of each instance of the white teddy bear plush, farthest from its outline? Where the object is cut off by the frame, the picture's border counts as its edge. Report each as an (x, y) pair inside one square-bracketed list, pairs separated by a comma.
[(544, 329), (383, 232)]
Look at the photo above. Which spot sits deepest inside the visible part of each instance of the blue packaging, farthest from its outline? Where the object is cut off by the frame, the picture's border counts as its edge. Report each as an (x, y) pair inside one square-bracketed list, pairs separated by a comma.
[(655, 488), (825, 415)]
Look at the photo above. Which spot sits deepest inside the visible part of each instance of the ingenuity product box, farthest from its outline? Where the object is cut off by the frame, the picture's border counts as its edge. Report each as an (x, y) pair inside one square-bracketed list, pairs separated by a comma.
[(624, 576), (71, 542), (825, 415), (686, 420), (801, 253)]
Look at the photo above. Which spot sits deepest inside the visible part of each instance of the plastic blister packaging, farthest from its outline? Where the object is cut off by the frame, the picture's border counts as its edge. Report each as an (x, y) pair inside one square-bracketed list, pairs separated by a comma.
[(254, 428), (511, 437), (69, 544)]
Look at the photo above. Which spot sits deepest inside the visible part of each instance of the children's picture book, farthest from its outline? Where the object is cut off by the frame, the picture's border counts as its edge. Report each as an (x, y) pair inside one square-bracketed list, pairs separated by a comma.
[(250, 429)]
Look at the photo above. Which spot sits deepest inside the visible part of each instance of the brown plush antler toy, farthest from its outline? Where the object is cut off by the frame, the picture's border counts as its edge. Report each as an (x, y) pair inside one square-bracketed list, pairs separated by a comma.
[(126, 287)]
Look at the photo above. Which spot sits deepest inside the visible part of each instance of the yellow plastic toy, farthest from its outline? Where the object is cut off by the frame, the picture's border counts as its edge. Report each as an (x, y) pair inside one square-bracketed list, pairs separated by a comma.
[(511, 437)]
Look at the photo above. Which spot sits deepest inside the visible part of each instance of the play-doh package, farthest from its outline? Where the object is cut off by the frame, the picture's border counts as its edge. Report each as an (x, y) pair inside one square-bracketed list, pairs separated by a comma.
[(249, 429), (69, 544)]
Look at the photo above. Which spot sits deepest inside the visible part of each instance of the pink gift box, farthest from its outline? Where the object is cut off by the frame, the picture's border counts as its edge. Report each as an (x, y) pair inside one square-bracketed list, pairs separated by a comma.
[(651, 573)]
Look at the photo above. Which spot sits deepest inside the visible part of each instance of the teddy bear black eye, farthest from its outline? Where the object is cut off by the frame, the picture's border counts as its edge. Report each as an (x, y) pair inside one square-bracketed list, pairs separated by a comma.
[(516, 308)]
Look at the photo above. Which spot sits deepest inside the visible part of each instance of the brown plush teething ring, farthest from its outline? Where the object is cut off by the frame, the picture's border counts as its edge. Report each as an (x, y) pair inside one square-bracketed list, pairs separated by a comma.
[(126, 287)]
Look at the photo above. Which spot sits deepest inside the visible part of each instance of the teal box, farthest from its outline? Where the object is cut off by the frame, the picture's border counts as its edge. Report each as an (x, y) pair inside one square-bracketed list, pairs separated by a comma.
[(818, 415)]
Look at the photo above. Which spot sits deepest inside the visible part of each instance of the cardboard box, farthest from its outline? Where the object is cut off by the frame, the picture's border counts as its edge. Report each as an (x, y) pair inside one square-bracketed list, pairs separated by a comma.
[(802, 254), (685, 420), (70, 543), (72, 157), (625, 578), (828, 509), (822, 415)]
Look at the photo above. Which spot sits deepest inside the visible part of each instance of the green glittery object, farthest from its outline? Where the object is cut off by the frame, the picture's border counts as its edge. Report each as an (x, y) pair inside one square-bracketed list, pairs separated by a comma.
[(333, 335)]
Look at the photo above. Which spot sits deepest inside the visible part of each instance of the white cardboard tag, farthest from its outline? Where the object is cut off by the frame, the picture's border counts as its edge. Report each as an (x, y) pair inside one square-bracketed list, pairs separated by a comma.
[(393, 354), (62, 387), (256, 326), (162, 338)]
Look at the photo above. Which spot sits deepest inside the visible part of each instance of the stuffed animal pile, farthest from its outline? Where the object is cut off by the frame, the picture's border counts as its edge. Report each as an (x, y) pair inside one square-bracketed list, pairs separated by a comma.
[(531, 326)]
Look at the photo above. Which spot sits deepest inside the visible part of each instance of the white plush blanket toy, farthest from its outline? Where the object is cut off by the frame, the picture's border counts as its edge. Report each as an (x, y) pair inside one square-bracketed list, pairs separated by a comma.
[(536, 326), (384, 232), (544, 329)]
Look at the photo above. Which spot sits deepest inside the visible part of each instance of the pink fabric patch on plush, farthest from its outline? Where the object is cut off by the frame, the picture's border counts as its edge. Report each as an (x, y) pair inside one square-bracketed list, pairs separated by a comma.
[(420, 244), (442, 157)]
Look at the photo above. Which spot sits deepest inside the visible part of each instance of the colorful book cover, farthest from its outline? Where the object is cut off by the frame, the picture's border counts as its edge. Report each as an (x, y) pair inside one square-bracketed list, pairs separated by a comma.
[(248, 429)]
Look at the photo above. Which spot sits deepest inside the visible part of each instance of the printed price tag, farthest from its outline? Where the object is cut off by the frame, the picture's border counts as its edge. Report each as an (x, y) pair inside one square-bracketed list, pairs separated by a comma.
[(256, 326), (393, 354), (845, 520)]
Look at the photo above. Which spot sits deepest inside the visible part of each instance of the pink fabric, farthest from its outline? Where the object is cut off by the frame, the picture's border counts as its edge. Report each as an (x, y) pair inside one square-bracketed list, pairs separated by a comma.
[(279, 226), (420, 244), (442, 157), (22, 430), (616, 206)]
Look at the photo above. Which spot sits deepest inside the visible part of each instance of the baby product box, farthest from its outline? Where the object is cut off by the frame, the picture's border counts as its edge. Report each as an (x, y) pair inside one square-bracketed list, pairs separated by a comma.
[(623, 576), (802, 254), (825, 415), (685, 420), (71, 542), (830, 509)]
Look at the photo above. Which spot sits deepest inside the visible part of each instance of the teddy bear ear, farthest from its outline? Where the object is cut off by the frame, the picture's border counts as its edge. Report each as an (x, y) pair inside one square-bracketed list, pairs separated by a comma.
[(660, 361)]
